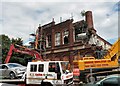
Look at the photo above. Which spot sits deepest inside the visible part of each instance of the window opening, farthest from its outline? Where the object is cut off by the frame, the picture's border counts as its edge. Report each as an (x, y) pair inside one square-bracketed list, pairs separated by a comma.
[(41, 68), (65, 37), (33, 68), (80, 31), (52, 67), (57, 39), (48, 41)]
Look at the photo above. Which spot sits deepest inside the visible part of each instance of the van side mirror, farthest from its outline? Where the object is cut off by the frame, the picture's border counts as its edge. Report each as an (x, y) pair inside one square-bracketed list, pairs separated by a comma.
[(67, 71)]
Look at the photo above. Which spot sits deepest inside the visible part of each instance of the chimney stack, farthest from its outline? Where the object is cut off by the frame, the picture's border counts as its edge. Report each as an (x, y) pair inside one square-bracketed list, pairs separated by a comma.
[(89, 19)]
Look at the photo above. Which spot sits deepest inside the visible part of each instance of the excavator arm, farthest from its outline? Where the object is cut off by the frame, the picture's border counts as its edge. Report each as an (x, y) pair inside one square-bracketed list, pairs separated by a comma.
[(113, 51), (25, 51)]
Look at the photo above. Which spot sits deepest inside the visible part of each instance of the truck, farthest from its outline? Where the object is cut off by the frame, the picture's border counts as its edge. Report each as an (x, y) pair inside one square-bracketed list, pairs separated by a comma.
[(88, 69), (48, 73)]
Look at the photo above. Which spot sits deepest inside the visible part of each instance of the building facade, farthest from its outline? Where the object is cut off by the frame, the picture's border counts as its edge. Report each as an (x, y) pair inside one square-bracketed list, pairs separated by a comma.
[(67, 40)]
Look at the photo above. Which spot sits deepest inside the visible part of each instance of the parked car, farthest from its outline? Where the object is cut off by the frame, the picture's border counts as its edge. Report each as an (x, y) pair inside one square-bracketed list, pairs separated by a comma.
[(12, 70), (111, 80)]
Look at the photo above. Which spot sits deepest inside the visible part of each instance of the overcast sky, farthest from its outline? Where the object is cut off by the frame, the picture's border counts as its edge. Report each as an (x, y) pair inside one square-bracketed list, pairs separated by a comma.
[(19, 19)]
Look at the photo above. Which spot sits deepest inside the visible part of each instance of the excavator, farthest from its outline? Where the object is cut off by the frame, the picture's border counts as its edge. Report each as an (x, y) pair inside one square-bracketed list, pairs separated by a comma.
[(41, 71), (88, 69), (22, 50)]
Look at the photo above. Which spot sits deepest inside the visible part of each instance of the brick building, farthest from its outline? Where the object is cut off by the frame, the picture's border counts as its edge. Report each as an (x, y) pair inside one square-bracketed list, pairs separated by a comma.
[(67, 40)]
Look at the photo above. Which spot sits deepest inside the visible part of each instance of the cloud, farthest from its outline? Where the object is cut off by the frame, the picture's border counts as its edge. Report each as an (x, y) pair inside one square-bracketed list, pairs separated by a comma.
[(116, 7), (107, 26), (19, 19), (59, 0), (1, 20)]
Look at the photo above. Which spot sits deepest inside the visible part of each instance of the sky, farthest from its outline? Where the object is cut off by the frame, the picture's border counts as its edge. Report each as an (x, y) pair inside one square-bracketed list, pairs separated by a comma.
[(19, 19)]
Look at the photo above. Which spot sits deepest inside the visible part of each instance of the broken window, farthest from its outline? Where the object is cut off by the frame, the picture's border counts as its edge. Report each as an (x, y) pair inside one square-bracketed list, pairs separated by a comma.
[(48, 41), (57, 39), (65, 37), (80, 31)]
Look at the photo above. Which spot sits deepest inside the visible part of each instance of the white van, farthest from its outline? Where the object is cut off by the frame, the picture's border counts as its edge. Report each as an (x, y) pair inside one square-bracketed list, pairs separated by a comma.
[(49, 73)]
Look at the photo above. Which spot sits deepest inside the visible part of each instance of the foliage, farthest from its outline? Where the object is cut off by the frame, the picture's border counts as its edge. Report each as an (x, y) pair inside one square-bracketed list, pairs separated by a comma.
[(17, 41), (5, 43), (82, 13)]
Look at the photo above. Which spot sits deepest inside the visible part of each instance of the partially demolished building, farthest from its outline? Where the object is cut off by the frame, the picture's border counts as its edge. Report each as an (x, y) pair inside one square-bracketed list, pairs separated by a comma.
[(67, 40)]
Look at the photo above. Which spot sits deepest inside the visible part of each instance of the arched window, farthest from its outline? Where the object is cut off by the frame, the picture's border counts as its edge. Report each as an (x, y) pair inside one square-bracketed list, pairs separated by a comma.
[(48, 41), (66, 37), (57, 39)]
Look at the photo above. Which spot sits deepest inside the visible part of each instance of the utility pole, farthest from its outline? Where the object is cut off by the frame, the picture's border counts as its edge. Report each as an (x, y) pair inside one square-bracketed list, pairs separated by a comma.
[(42, 43)]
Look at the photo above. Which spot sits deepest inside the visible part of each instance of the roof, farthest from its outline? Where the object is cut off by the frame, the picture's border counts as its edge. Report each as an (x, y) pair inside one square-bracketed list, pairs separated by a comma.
[(104, 40)]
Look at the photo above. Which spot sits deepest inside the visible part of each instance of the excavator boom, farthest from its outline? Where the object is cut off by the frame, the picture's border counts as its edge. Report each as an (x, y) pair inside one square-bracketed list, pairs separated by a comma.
[(25, 51)]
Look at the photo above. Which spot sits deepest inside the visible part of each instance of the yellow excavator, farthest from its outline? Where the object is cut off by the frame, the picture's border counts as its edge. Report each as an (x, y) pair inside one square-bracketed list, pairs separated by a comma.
[(90, 68)]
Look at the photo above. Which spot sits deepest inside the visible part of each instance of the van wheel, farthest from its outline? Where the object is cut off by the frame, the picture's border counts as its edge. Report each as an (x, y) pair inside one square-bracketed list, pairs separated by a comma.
[(46, 84), (91, 79), (12, 75)]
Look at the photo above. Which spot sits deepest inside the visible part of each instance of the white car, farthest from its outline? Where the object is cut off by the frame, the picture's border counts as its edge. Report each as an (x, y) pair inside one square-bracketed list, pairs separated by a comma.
[(111, 80), (12, 70)]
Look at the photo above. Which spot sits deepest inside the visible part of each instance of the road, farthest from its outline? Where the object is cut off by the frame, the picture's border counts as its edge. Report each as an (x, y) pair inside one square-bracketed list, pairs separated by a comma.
[(5, 84)]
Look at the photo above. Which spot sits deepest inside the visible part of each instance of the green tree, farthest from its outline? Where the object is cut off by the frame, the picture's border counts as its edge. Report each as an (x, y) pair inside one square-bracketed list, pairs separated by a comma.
[(5, 42), (17, 57), (17, 41)]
